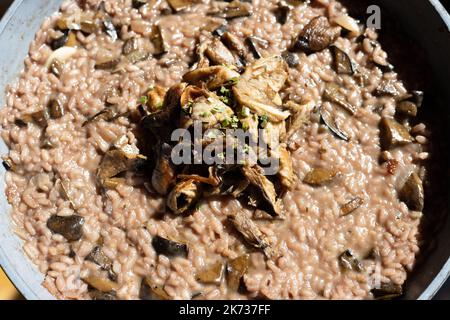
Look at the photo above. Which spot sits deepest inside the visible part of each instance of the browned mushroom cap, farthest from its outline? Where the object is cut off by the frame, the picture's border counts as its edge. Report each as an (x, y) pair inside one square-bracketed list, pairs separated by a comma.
[(258, 88), (98, 257), (70, 227), (114, 162), (393, 134), (157, 39), (162, 123), (211, 274), (230, 182), (342, 62), (164, 175), (236, 269), (348, 261), (317, 35), (184, 195), (233, 43), (203, 106), (169, 248), (150, 291), (320, 176), (300, 115), (180, 5), (263, 190), (218, 54), (251, 233), (387, 291), (235, 9), (213, 77), (332, 93), (406, 108), (412, 193)]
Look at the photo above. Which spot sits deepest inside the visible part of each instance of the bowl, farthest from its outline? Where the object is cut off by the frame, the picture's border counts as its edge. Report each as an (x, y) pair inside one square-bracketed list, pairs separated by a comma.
[(426, 22)]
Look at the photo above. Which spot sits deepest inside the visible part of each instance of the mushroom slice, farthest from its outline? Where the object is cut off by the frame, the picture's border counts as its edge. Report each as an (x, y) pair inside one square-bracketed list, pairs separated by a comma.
[(330, 123), (114, 162), (317, 35), (406, 108), (55, 109), (235, 9), (412, 193), (233, 43), (387, 88), (255, 45), (349, 262), (332, 94), (169, 248), (258, 88), (62, 54), (342, 62), (157, 39), (205, 107), (218, 54), (155, 98), (149, 291), (164, 175), (184, 195), (393, 134), (98, 257), (107, 114), (300, 115), (351, 206), (130, 45), (286, 171), (231, 182), (320, 176), (263, 190), (100, 283), (110, 28), (70, 227), (211, 274), (236, 269), (387, 291), (199, 175), (282, 13), (179, 5), (251, 233), (108, 64), (213, 77)]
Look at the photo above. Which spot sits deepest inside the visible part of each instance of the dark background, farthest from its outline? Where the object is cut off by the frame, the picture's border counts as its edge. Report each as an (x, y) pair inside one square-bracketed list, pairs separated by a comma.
[(443, 294)]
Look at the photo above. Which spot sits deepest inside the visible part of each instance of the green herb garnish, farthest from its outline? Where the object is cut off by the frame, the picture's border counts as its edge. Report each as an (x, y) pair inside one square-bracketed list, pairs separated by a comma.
[(143, 100)]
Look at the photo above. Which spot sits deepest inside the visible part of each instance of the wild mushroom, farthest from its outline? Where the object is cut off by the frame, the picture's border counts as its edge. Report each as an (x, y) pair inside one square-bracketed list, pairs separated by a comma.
[(342, 62), (169, 248), (351, 206), (317, 35), (386, 291), (333, 94), (211, 274), (163, 176), (213, 77), (393, 134), (184, 195), (70, 227), (412, 193), (251, 233), (236, 269), (320, 176), (349, 262)]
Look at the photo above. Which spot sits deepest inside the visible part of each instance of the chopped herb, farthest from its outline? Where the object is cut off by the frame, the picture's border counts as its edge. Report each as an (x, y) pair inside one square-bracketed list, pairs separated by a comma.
[(143, 100), (188, 108), (245, 112), (232, 122), (224, 99), (159, 105), (225, 91), (233, 81), (205, 114), (263, 120), (217, 109)]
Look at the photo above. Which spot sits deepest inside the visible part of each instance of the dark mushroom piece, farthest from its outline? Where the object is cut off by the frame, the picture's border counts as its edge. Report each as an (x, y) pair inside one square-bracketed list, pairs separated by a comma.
[(110, 28), (317, 35), (184, 195), (137, 56), (107, 64), (255, 45), (348, 261), (300, 115), (8, 165), (406, 108), (107, 114), (387, 88), (56, 109), (332, 126), (220, 31), (60, 41), (236, 269), (218, 54), (155, 98), (332, 94), (70, 227), (412, 193), (56, 67), (130, 45), (291, 59), (169, 248), (282, 13), (263, 190), (235, 9), (157, 39), (251, 233), (211, 274), (387, 291), (342, 63), (98, 257), (99, 295), (393, 134), (320, 176), (163, 176), (351, 206), (149, 291), (138, 3), (233, 43), (286, 172), (180, 5)]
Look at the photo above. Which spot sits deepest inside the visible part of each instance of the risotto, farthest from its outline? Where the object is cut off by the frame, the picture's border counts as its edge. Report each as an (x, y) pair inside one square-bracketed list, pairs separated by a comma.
[(104, 211)]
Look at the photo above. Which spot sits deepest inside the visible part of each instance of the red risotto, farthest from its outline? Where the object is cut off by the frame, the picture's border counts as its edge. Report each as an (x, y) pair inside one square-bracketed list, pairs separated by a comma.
[(106, 212)]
